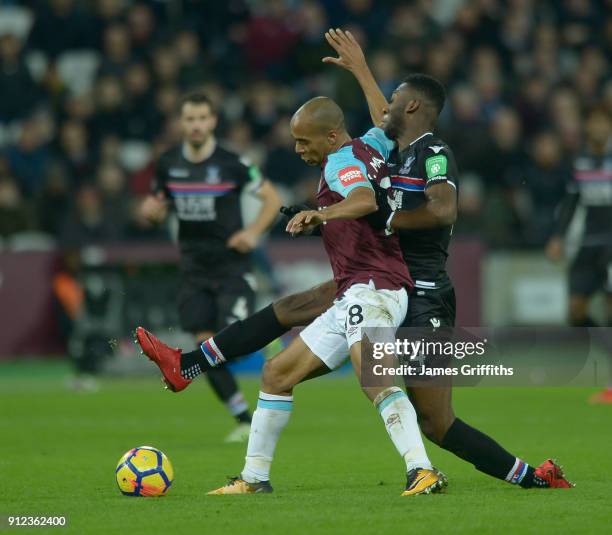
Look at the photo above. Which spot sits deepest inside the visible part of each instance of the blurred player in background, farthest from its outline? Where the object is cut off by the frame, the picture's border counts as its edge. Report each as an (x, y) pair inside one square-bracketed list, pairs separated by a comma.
[(204, 182), (591, 187)]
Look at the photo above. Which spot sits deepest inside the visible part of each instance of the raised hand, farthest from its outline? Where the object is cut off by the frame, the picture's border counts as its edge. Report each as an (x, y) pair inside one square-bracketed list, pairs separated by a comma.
[(350, 54)]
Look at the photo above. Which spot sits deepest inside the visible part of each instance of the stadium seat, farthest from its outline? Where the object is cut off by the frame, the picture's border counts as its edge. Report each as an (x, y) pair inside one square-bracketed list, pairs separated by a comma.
[(77, 69)]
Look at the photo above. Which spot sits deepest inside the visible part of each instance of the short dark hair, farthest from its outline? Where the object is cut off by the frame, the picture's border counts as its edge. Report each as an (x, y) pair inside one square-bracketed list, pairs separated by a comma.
[(196, 97), (431, 88)]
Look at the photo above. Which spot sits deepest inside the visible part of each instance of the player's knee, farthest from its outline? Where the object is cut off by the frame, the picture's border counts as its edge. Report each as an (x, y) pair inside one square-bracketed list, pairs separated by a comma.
[(274, 378)]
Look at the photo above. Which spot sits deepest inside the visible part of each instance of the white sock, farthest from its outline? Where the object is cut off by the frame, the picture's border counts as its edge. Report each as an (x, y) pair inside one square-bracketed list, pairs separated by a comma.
[(236, 404), (400, 419), (270, 418)]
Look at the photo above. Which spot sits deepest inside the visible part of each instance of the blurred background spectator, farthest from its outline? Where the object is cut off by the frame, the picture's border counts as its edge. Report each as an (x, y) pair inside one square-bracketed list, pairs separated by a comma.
[(88, 91)]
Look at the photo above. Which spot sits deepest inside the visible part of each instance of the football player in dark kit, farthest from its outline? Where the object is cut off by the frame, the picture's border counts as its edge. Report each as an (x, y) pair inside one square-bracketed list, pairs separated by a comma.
[(203, 182), (424, 177), (590, 187)]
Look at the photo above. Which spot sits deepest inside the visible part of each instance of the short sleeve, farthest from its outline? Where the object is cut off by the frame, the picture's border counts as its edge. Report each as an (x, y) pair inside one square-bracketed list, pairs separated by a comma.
[(344, 173), (376, 138), (440, 166), (252, 177)]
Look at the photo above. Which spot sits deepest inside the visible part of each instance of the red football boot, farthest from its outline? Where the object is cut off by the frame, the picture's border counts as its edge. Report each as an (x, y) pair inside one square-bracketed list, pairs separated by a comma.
[(603, 397), (167, 359), (552, 473)]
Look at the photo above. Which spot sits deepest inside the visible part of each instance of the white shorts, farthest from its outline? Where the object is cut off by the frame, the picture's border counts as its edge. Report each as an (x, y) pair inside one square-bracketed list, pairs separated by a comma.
[(332, 334)]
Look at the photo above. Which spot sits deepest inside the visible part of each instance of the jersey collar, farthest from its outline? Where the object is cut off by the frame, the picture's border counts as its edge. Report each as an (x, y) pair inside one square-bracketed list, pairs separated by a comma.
[(206, 157), (421, 137)]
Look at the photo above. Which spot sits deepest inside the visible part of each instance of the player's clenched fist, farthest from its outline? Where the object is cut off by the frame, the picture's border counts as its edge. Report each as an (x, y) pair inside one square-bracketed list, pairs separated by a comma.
[(243, 241), (154, 208)]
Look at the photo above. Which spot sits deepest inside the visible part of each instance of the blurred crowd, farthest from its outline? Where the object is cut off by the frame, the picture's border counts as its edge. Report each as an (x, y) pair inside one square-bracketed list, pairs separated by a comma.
[(89, 91)]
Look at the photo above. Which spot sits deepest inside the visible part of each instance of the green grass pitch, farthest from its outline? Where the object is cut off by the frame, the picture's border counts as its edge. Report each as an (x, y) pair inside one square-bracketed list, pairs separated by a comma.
[(335, 469)]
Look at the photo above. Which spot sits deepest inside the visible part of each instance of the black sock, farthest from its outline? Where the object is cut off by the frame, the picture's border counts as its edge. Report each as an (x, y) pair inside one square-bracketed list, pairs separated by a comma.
[(193, 363), (236, 340), (249, 335), (531, 480), (485, 454), (479, 449), (226, 388)]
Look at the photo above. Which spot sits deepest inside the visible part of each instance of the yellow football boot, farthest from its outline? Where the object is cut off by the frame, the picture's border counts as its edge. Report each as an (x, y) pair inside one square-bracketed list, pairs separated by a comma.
[(236, 485), (424, 481)]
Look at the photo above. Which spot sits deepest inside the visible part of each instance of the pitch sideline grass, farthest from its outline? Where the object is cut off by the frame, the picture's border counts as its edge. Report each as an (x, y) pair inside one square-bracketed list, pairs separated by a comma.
[(335, 469)]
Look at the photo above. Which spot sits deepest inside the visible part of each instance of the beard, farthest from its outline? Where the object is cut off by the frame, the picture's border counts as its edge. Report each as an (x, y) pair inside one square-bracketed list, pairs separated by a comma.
[(392, 128), (197, 142)]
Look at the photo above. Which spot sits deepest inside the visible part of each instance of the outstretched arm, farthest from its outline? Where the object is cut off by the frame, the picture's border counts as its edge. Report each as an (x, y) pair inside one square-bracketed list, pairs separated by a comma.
[(351, 58), (359, 202)]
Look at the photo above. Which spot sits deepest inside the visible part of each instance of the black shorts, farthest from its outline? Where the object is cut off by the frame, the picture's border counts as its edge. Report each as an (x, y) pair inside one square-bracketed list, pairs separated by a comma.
[(432, 307), (431, 316), (211, 305), (591, 271)]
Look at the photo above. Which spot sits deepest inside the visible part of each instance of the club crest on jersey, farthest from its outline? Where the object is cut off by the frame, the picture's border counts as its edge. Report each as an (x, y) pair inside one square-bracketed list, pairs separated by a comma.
[(351, 175), (405, 169), (213, 175)]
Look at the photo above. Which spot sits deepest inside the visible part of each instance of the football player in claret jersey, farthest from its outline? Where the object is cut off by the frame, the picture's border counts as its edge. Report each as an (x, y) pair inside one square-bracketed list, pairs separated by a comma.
[(591, 269), (203, 183), (372, 282), (427, 194)]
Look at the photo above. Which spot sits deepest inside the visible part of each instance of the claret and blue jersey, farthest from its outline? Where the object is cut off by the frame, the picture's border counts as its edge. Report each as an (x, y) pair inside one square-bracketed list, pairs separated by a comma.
[(358, 253)]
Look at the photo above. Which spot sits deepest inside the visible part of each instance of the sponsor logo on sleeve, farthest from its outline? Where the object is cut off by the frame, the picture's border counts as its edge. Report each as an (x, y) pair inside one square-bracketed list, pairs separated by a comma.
[(351, 175), (436, 166)]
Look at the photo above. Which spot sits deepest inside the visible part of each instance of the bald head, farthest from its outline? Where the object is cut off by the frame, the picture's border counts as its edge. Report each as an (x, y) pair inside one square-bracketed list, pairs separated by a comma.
[(318, 129), (322, 113)]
